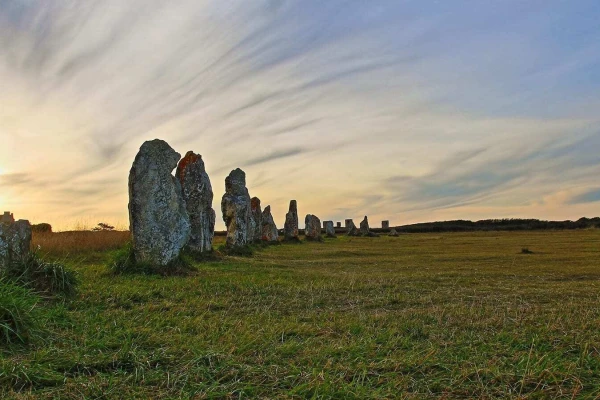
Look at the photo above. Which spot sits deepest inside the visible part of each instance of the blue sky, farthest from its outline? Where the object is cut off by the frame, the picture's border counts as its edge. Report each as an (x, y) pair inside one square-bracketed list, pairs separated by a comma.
[(402, 110)]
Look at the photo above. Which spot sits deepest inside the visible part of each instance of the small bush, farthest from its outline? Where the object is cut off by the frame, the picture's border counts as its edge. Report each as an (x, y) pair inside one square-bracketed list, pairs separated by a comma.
[(41, 228), (124, 262), (19, 318), (42, 276), (525, 250)]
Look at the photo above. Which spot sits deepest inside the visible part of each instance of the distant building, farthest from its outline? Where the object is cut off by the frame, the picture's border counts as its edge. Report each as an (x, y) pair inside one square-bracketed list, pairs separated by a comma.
[(7, 218)]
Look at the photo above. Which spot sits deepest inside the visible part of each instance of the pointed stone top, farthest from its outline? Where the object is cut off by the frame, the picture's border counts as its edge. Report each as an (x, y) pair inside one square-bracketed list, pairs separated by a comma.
[(254, 203), (293, 206)]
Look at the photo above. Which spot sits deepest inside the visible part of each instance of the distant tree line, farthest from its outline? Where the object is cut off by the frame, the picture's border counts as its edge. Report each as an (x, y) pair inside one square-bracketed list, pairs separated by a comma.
[(512, 224)]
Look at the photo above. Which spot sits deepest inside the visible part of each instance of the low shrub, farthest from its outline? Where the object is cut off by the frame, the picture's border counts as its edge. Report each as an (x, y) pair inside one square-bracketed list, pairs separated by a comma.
[(19, 317)]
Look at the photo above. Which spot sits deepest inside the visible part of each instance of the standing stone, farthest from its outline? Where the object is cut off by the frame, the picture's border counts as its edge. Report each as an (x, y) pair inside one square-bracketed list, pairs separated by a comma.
[(364, 228), (393, 233), (256, 220), (348, 222), (339, 224), (198, 197), (269, 229), (290, 228), (312, 230), (385, 224), (329, 229), (158, 219), (235, 207), (15, 241), (352, 229)]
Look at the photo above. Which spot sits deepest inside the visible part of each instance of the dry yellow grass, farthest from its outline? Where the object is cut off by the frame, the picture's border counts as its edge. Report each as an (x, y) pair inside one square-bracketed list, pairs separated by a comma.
[(75, 242)]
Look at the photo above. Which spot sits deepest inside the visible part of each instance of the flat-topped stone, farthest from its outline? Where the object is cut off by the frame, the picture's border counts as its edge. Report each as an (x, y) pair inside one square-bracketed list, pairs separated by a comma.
[(312, 229)]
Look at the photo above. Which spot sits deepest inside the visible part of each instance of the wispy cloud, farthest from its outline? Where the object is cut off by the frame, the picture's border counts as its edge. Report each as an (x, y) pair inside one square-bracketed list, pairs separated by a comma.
[(396, 109)]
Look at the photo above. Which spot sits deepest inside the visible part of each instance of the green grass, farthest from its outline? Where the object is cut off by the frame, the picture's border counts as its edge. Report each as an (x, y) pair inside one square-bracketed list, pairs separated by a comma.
[(458, 315)]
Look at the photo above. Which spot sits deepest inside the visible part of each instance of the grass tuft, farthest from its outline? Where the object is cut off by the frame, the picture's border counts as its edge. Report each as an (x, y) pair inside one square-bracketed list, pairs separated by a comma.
[(47, 277), (123, 262), (19, 318)]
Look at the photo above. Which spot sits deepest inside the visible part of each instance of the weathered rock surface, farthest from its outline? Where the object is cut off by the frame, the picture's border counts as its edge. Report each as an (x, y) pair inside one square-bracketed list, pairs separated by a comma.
[(198, 197), (256, 218), (158, 219), (290, 228), (385, 224), (235, 207), (269, 229), (352, 229), (15, 241), (364, 228), (312, 230), (329, 229), (393, 233)]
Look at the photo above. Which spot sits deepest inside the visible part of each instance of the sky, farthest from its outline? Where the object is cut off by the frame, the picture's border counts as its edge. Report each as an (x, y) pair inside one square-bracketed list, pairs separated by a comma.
[(408, 111)]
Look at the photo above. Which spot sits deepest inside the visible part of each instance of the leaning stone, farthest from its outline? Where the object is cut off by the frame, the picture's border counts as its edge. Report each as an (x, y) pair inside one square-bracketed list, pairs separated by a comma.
[(365, 230), (15, 241), (312, 230), (158, 219), (329, 229), (290, 228), (255, 220), (393, 233), (352, 229), (198, 197), (270, 233), (235, 207)]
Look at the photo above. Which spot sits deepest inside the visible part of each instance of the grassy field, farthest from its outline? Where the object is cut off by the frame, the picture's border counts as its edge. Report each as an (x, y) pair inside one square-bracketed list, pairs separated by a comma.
[(458, 315)]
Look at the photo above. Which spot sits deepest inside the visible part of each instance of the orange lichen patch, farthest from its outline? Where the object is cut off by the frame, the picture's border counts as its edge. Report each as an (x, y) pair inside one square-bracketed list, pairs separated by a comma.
[(190, 158)]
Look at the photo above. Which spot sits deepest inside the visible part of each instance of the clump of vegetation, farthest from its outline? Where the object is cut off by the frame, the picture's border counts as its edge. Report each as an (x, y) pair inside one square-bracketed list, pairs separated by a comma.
[(41, 228), (19, 317), (525, 250), (103, 227), (123, 262), (47, 277)]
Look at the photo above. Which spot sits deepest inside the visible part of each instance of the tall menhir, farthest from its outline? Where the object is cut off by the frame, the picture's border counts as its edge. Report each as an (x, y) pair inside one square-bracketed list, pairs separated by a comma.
[(198, 197)]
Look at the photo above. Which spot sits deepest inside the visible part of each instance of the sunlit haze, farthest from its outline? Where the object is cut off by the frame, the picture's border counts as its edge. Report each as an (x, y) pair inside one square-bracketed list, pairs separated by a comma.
[(407, 111)]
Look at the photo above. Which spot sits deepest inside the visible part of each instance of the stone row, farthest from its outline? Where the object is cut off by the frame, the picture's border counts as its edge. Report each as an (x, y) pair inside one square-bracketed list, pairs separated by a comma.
[(168, 213)]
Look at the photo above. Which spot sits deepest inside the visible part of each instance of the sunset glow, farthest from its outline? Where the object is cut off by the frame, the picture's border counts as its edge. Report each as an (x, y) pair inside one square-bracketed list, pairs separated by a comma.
[(350, 108)]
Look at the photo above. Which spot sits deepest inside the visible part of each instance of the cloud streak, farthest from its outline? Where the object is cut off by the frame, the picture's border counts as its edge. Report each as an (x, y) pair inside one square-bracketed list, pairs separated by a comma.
[(405, 110)]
